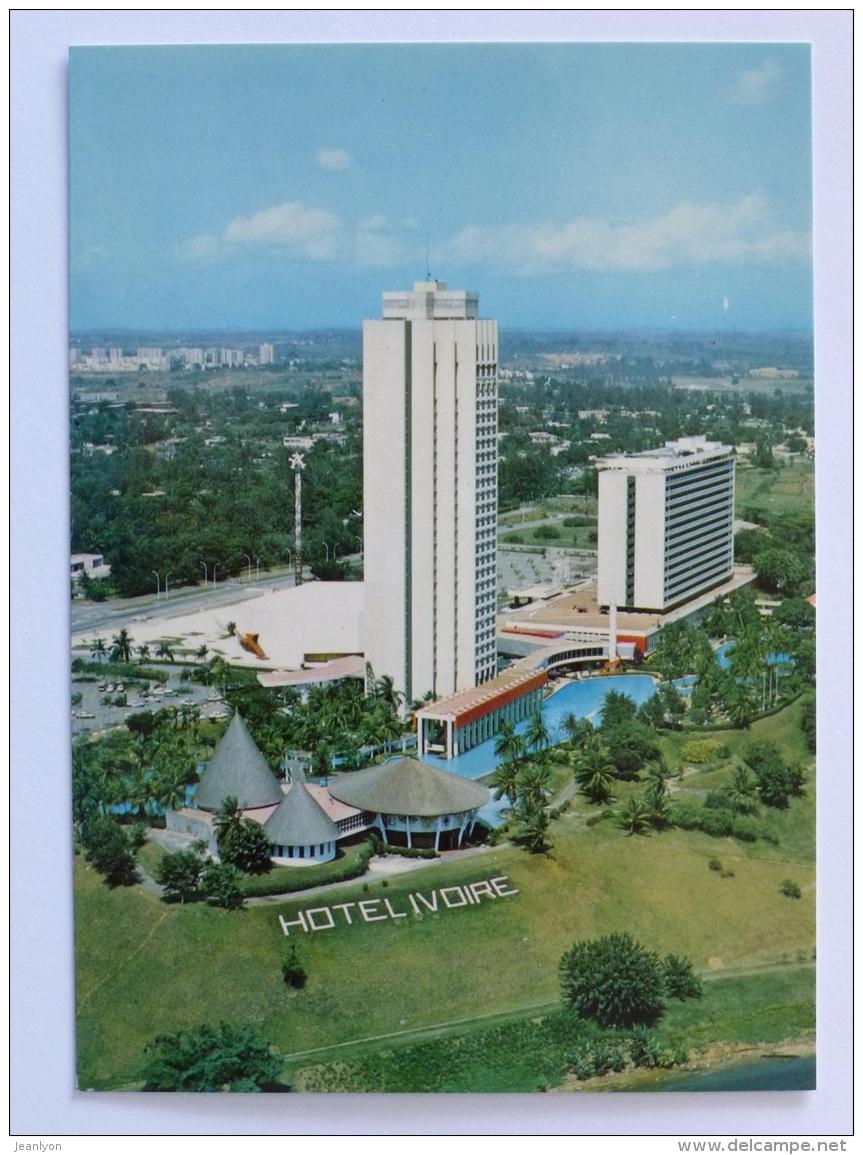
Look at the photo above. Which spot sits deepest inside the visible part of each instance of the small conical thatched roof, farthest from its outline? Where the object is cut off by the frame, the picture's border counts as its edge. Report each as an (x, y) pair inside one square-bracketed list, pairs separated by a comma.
[(237, 768), (298, 820), (407, 786)]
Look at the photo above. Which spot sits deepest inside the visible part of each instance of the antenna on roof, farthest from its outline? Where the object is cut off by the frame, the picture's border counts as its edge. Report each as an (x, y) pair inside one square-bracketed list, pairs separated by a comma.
[(428, 263)]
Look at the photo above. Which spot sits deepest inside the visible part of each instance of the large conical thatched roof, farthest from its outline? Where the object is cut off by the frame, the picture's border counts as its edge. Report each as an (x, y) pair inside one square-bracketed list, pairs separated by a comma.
[(298, 820), (237, 768), (407, 786)]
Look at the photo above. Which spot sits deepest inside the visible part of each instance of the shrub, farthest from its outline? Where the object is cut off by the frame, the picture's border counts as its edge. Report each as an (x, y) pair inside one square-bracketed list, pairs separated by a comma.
[(746, 829), (790, 889), (701, 750), (221, 884), (679, 979), (715, 865), (179, 875), (613, 980), (293, 972), (686, 815), (289, 879), (717, 823)]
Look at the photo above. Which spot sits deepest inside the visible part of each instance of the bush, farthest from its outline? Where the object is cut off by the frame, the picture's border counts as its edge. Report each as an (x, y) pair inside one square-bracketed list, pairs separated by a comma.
[(715, 865), (289, 879), (790, 889), (221, 884), (206, 1058), (701, 750), (679, 979), (686, 815), (717, 823), (613, 980), (746, 829), (293, 972)]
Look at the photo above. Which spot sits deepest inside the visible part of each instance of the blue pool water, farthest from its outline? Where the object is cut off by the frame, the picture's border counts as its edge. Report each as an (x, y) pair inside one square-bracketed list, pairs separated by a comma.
[(583, 699), (772, 659)]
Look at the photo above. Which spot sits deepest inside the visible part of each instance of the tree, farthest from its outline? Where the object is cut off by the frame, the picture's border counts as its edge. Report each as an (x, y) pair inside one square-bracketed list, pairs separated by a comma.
[(242, 843), (220, 882), (508, 745), (385, 691), (98, 649), (781, 570), (631, 745), (533, 822), (163, 650), (538, 737), (207, 1058), (742, 791), (777, 781), (201, 653), (655, 802), (109, 850), (293, 971), (505, 782), (179, 875), (594, 771), (578, 730), (613, 980), (634, 816), (143, 652), (679, 979), (121, 647), (616, 708)]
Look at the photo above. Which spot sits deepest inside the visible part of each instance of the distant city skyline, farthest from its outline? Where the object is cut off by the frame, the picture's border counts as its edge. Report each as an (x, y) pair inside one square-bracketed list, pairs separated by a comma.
[(279, 188)]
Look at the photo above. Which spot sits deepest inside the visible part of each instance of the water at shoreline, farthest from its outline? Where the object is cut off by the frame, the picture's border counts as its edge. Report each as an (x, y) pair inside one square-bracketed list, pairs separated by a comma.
[(796, 1073)]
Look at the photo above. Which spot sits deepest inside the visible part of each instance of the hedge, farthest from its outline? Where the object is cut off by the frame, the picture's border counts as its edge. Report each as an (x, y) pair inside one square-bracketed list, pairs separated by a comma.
[(288, 879)]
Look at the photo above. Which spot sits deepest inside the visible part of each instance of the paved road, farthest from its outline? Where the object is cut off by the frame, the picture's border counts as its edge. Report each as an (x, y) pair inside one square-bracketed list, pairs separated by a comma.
[(113, 615)]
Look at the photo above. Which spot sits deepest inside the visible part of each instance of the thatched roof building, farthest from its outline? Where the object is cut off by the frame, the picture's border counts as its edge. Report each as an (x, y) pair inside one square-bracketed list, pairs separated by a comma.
[(237, 768)]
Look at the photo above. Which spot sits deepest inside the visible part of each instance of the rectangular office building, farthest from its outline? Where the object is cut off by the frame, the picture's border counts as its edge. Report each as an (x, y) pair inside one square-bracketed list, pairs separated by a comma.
[(430, 491), (666, 524)]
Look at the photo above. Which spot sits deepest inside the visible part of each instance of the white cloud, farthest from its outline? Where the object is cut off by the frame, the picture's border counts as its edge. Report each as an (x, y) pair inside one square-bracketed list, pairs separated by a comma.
[(756, 85), (310, 232), (204, 247), (334, 159), (378, 246), (689, 233)]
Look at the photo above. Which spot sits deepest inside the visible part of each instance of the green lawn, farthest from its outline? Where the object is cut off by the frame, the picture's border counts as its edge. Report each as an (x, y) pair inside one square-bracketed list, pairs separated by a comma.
[(145, 967), (788, 489), (569, 537)]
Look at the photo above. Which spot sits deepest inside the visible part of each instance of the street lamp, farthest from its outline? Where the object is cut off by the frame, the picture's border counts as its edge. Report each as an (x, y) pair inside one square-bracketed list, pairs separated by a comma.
[(167, 575), (215, 567), (204, 564), (156, 576), (249, 563)]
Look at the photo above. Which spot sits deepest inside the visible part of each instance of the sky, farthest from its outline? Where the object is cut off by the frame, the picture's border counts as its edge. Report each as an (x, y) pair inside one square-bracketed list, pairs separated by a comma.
[(573, 186)]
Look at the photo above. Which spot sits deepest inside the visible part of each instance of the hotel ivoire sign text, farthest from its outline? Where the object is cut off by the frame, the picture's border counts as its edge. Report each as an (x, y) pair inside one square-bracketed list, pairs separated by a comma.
[(413, 905)]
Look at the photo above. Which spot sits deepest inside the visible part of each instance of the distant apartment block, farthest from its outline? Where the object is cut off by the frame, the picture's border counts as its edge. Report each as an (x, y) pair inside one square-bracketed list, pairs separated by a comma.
[(266, 354), (666, 520), (430, 490)]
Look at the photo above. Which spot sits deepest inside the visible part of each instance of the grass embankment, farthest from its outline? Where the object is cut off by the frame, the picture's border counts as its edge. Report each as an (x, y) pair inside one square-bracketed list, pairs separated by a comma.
[(566, 537), (529, 1052), (145, 967), (789, 489)]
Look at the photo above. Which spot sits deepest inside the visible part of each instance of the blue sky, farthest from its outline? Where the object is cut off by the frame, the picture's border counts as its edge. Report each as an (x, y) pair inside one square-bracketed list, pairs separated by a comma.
[(573, 186)]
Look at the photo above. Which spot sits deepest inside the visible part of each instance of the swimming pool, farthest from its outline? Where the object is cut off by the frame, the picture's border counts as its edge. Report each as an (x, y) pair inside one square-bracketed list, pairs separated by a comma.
[(583, 699)]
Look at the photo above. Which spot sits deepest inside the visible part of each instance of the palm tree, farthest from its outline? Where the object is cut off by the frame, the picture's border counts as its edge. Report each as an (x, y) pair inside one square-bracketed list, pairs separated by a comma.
[(505, 782), (509, 746), (533, 828), (594, 771), (229, 818), (201, 653), (742, 791), (538, 737), (98, 649), (535, 781), (655, 800), (143, 652), (577, 730), (634, 818), (385, 691), (163, 650), (121, 646)]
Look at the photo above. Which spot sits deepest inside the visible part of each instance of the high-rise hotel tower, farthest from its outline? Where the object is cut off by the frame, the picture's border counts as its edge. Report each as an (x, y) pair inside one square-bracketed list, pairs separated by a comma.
[(666, 523), (430, 490)]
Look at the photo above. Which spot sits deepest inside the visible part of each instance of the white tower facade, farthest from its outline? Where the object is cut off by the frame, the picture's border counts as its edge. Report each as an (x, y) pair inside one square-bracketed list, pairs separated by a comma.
[(430, 490), (666, 523)]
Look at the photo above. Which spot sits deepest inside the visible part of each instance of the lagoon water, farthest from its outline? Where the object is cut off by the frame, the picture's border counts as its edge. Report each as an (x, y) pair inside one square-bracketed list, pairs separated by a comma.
[(768, 1074)]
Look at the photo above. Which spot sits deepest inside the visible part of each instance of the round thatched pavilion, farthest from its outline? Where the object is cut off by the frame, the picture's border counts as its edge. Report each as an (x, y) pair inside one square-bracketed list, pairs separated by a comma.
[(238, 769), (301, 832), (413, 804)]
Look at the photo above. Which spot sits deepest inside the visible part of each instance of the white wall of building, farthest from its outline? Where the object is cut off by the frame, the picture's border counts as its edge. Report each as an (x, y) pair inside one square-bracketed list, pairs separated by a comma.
[(423, 366)]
